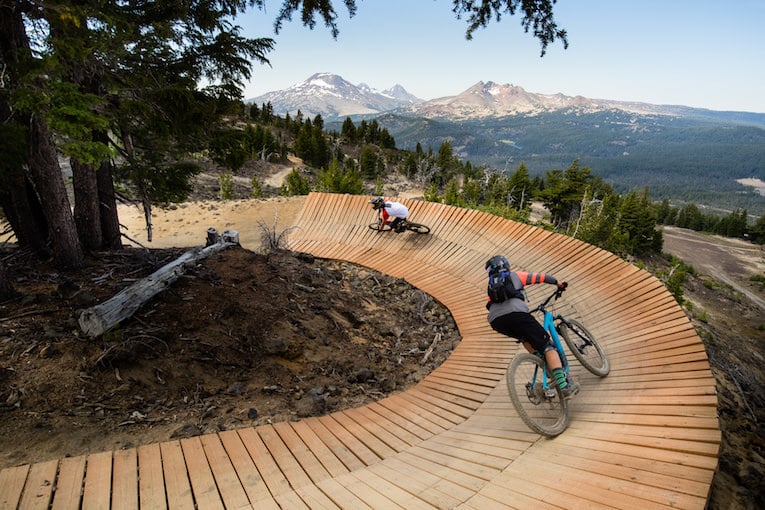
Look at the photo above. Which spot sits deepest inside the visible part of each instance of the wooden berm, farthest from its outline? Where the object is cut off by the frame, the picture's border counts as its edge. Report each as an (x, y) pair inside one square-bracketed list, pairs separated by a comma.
[(646, 436)]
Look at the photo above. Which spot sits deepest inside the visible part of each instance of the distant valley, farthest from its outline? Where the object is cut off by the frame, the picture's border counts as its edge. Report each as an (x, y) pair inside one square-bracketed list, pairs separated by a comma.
[(680, 153)]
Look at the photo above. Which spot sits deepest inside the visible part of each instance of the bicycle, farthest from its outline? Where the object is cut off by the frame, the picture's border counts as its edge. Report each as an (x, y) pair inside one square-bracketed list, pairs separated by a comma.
[(536, 397), (408, 225)]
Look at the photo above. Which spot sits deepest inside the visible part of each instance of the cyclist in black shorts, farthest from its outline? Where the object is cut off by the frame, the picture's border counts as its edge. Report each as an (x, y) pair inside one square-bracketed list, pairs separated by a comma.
[(509, 315)]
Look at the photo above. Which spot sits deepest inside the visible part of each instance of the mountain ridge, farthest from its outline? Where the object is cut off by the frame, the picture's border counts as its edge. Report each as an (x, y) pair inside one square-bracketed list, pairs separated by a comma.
[(334, 98), (679, 152)]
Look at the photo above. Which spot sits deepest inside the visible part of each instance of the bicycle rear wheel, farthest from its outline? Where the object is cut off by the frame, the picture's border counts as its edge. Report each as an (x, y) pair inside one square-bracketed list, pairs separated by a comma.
[(417, 227), (584, 347), (544, 410)]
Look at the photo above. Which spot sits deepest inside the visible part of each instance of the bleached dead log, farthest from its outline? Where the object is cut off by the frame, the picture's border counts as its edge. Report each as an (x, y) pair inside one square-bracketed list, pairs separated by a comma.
[(99, 319)]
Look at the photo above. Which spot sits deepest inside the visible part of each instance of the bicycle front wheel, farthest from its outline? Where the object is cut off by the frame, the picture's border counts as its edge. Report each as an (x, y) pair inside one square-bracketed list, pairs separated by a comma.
[(544, 410), (417, 227), (379, 226), (584, 347)]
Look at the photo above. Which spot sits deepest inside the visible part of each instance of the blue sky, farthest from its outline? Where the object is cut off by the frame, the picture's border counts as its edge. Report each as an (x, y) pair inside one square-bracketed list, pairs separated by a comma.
[(699, 53)]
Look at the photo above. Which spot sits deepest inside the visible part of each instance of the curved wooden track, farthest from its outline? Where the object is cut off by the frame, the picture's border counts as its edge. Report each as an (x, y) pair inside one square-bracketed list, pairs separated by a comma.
[(646, 436)]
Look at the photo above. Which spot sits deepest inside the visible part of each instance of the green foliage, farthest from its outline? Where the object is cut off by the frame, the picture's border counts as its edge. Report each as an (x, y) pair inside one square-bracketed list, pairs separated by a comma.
[(228, 149), (758, 278), (694, 157), (257, 190), (430, 193), (506, 212), (226, 184), (259, 142), (335, 179), (311, 144), (295, 184), (370, 163), (674, 278), (378, 187), (452, 194), (757, 231)]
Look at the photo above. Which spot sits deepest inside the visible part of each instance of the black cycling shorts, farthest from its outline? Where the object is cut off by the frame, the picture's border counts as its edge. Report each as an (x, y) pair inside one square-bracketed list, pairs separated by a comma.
[(524, 328)]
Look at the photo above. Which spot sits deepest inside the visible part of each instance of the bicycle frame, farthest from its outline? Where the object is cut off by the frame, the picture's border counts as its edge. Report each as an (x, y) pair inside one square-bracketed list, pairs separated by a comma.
[(540, 403), (549, 325)]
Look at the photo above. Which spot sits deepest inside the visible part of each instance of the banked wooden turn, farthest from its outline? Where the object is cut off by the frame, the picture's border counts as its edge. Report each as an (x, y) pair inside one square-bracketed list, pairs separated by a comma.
[(646, 436)]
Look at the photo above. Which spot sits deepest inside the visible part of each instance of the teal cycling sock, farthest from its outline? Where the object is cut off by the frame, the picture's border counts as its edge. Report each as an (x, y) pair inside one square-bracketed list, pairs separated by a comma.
[(560, 378)]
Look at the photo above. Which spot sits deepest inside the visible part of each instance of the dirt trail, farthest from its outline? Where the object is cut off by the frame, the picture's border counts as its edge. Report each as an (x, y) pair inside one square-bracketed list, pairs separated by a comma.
[(728, 260), (186, 225)]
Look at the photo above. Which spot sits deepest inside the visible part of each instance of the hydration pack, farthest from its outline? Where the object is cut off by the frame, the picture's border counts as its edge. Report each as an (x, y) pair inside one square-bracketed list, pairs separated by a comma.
[(501, 288)]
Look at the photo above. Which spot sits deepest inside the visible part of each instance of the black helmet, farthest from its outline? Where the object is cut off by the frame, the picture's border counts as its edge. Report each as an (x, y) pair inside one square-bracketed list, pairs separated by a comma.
[(377, 203), (496, 264)]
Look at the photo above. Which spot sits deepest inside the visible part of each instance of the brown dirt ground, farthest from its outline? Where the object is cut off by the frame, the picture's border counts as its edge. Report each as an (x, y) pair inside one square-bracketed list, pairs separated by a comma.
[(245, 339)]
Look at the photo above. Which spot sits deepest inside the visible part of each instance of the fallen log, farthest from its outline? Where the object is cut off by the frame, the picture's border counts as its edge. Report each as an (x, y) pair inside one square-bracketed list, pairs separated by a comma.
[(99, 319)]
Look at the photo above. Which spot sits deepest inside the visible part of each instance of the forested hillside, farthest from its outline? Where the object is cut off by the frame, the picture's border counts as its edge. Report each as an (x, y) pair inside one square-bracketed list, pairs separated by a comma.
[(683, 159)]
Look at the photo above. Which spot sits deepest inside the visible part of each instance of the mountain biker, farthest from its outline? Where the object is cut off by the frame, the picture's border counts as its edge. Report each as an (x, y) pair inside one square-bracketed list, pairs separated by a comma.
[(512, 318), (395, 210)]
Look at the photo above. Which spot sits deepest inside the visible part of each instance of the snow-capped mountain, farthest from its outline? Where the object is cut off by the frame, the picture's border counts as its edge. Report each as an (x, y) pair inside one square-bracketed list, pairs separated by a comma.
[(490, 99), (333, 97)]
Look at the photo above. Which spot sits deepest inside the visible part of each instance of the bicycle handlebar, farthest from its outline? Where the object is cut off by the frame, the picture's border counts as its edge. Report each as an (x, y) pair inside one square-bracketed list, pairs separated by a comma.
[(558, 292)]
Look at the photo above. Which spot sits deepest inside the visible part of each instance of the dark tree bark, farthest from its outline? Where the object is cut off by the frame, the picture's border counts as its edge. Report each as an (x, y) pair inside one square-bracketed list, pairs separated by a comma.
[(18, 198), (24, 214), (6, 287), (49, 183), (111, 237), (44, 170), (87, 214)]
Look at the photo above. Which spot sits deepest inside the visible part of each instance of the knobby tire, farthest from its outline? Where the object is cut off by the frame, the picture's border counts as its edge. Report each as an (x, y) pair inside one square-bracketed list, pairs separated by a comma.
[(379, 227), (549, 416), (584, 347), (418, 228)]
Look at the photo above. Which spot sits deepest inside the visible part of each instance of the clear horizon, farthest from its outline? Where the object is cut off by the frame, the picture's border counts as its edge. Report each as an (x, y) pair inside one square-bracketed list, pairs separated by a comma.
[(689, 53)]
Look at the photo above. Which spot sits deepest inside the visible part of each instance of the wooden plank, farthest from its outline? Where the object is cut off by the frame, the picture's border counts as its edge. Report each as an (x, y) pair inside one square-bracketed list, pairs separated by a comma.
[(267, 467), (302, 453), (381, 449), (322, 451), (98, 481), (201, 477), (420, 483), (315, 499), (71, 473), (38, 490), (351, 459), (177, 484), (393, 492), (229, 487), (340, 495), (12, 481), (289, 465), (245, 468), (125, 479), (349, 441), (151, 478)]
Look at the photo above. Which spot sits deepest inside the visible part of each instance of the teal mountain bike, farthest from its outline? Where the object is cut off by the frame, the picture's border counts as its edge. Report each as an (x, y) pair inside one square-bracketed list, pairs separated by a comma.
[(536, 397)]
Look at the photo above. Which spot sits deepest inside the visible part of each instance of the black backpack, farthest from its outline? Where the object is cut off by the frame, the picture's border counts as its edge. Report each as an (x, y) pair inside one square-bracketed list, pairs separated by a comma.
[(501, 288)]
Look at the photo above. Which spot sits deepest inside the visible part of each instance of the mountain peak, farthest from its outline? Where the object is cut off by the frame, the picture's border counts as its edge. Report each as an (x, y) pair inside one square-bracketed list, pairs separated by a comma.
[(333, 97)]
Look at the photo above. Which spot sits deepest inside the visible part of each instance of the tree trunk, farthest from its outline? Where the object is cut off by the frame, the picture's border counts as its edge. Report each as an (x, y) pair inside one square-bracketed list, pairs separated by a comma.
[(6, 287), (107, 203), (87, 213), (49, 183), (23, 211), (17, 197)]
